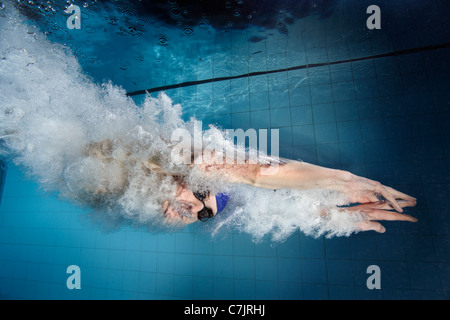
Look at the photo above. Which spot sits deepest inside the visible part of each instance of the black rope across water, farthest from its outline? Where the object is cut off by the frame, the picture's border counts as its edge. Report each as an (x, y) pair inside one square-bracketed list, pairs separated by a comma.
[(312, 65)]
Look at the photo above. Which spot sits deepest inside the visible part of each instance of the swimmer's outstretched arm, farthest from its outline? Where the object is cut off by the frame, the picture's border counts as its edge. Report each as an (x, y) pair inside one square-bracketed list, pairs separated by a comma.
[(302, 175)]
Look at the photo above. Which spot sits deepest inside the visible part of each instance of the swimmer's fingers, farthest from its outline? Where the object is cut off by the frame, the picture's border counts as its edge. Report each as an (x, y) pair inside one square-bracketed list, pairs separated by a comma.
[(371, 225), (394, 196), (360, 189), (381, 190), (384, 205), (402, 203), (377, 214), (400, 195), (407, 203)]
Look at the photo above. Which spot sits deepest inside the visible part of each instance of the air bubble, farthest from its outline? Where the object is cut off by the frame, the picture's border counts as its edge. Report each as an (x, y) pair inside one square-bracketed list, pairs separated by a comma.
[(188, 31), (202, 23), (129, 13), (163, 41), (175, 11), (141, 22)]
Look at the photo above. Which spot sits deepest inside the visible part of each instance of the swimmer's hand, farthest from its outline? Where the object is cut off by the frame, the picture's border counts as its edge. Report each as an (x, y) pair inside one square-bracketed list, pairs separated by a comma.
[(381, 210), (301, 175), (363, 190)]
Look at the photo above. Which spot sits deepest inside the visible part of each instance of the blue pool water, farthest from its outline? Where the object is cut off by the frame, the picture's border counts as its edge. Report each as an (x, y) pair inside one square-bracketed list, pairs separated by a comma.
[(385, 118)]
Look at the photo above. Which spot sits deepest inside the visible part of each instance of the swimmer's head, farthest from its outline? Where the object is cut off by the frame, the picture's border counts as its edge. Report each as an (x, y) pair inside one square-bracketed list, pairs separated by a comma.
[(189, 207)]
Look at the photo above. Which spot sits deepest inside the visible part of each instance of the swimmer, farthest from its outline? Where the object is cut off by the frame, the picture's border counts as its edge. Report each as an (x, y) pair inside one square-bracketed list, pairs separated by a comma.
[(94, 145), (375, 201)]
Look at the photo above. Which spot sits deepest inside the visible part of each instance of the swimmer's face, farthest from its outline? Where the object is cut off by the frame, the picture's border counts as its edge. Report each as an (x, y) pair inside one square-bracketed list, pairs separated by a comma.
[(187, 207)]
